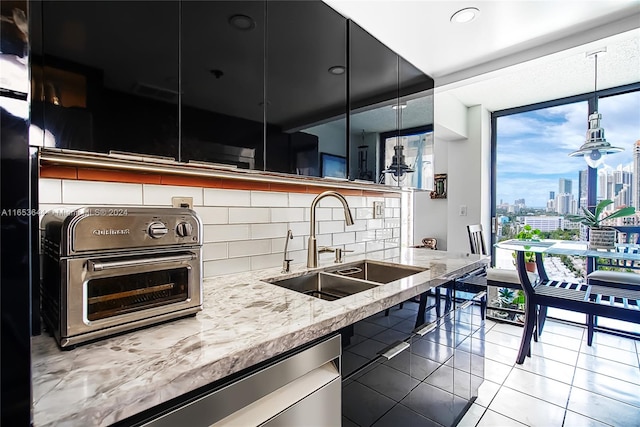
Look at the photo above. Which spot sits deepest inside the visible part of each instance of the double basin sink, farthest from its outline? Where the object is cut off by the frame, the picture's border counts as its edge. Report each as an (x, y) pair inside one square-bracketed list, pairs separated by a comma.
[(336, 282)]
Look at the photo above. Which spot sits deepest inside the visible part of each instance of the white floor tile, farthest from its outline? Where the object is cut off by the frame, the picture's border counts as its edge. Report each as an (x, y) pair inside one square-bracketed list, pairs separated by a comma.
[(548, 368), (526, 409), (538, 386), (603, 409), (493, 419), (472, 416)]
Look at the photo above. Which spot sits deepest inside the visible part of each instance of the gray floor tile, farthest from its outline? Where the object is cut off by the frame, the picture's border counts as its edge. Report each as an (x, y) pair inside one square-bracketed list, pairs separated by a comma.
[(608, 367), (538, 386), (402, 416), (455, 381), (499, 353), (362, 405), (472, 416), (486, 393), (613, 388), (571, 419), (548, 368), (431, 350), (493, 419), (435, 404), (389, 382), (503, 338), (367, 329), (389, 336), (467, 362), (548, 337), (560, 328), (368, 348), (496, 371), (602, 408), (526, 409), (548, 351), (351, 362), (610, 353)]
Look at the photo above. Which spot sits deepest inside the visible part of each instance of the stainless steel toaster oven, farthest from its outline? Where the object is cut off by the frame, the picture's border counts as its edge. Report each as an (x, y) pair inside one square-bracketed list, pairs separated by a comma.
[(108, 270)]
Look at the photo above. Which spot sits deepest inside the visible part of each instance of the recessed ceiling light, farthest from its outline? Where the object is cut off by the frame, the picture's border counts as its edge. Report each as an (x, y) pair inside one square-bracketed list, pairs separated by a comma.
[(465, 15), (242, 22), (337, 70)]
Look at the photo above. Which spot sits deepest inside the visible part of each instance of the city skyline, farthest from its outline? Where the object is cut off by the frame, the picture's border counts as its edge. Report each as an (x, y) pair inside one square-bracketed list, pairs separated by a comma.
[(541, 140)]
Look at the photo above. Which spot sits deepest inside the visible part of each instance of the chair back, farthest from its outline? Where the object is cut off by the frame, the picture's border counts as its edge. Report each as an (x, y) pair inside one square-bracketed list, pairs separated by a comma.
[(476, 239)]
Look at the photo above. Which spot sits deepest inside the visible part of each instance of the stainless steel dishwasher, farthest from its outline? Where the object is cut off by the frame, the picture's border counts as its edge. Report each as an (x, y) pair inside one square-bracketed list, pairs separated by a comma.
[(302, 389)]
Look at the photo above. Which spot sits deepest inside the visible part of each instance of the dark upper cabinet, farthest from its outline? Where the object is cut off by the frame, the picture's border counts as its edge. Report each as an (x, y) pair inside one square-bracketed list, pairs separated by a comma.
[(222, 57), (106, 76), (284, 86), (306, 88)]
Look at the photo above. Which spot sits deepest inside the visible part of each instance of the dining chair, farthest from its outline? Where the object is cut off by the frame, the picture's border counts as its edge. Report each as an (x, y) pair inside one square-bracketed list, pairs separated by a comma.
[(617, 301)]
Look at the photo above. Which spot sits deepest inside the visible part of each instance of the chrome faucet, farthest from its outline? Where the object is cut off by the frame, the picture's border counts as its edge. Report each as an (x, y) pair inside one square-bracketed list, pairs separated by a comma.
[(287, 260), (312, 251)]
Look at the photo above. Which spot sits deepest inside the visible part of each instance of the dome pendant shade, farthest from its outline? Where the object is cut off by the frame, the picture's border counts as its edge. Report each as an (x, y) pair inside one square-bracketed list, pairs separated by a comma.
[(596, 146), (398, 166)]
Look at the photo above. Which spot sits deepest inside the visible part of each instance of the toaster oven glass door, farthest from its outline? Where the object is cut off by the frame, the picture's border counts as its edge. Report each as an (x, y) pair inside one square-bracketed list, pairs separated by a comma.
[(112, 296)]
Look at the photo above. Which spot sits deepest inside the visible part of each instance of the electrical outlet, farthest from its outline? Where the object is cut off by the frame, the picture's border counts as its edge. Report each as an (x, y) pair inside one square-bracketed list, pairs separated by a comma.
[(463, 210), (182, 202), (378, 209)]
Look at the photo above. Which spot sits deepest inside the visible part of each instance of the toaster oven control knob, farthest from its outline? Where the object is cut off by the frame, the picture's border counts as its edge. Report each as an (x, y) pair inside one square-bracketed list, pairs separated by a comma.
[(157, 229), (184, 229)]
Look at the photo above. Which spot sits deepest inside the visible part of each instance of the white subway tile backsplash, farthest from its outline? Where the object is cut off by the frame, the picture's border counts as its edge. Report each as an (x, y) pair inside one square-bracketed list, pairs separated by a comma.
[(357, 248), (211, 215), (225, 233), (287, 214), (357, 201), (364, 213), (101, 193), (388, 253), (300, 228), (226, 266), (219, 197), (358, 225), (267, 231), (248, 215), (269, 199), (50, 190), (160, 195), (392, 202), (365, 236), (245, 230), (322, 214), (211, 251), (325, 227), (344, 238), (374, 224), (266, 261), (300, 200), (375, 245), (249, 248), (295, 244)]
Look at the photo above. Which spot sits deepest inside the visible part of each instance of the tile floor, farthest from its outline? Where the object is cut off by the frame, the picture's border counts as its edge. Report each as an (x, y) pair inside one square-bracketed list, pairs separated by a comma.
[(564, 383)]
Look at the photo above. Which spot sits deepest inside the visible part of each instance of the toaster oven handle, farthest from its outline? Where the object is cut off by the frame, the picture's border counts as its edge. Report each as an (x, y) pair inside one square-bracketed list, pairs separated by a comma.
[(99, 266)]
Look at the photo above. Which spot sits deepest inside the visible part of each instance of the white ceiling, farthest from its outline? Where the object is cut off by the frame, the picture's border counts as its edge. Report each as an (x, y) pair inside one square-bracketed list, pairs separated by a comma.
[(515, 52)]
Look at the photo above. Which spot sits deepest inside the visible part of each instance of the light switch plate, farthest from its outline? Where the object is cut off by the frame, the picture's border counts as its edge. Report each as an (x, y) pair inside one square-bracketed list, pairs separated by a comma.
[(182, 202), (463, 210), (378, 209)]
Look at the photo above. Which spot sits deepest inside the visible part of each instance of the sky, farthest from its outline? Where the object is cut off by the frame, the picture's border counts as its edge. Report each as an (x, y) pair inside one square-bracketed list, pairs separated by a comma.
[(533, 147)]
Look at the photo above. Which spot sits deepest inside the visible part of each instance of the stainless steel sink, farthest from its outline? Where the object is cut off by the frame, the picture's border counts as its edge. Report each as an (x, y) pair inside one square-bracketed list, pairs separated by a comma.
[(323, 285), (340, 281), (375, 271)]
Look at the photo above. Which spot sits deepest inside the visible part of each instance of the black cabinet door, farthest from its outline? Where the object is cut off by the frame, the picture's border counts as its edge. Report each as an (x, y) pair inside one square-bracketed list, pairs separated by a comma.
[(222, 82), (106, 76), (306, 84)]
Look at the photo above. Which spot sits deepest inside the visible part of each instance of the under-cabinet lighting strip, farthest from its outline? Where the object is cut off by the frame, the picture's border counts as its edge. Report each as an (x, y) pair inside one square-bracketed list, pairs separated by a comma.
[(97, 161)]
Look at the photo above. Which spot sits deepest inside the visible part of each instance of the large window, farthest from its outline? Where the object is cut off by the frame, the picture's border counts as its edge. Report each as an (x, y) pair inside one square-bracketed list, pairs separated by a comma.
[(536, 182)]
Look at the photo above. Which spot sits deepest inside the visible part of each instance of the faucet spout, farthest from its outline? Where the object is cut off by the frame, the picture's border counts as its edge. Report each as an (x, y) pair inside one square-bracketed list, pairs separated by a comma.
[(312, 250)]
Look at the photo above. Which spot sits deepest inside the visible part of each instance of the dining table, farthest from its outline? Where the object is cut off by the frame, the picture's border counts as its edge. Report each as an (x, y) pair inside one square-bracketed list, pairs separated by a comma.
[(616, 300)]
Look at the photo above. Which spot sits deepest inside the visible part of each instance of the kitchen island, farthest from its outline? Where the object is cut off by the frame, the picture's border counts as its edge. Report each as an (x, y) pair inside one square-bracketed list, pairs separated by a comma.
[(245, 321)]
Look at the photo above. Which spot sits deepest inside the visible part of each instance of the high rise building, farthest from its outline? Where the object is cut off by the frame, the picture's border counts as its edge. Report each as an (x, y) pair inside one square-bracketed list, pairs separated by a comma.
[(564, 203), (552, 195), (564, 186), (582, 188), (635, 187)]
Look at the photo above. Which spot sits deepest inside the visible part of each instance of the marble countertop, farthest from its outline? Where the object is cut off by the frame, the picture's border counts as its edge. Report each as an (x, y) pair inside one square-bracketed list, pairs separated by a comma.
[(244, 321)]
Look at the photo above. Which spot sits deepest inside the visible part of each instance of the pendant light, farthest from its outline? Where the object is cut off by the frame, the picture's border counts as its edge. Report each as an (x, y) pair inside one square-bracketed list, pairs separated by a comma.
[(596, 147), (398, 168)]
